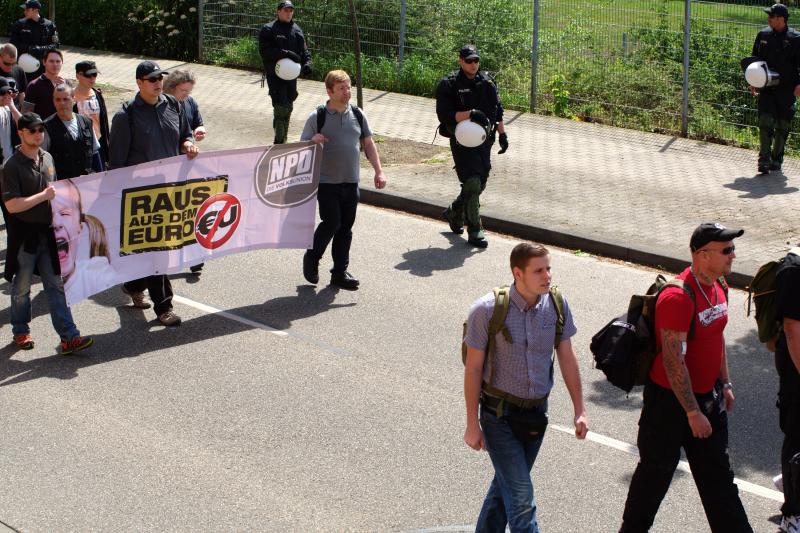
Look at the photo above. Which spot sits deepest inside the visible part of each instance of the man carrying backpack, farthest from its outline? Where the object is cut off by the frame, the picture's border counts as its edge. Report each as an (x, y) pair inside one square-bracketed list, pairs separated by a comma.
[(787, 362), (510, 375), (342, 128), (689, 391)]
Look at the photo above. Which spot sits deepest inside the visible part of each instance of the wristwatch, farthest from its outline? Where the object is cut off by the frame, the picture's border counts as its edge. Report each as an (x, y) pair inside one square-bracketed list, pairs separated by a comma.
[(727, 386)]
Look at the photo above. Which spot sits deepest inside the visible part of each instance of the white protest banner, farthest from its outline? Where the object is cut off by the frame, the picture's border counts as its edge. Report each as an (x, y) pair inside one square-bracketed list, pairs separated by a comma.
[(163, 216)]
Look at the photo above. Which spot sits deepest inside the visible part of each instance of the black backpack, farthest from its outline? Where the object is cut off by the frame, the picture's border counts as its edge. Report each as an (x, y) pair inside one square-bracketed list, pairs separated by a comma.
[(322, 114), (626, 347)]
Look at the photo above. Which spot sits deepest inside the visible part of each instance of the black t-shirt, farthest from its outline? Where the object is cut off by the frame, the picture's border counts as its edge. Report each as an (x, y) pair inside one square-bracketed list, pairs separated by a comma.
[(788, 306), (22, 177)]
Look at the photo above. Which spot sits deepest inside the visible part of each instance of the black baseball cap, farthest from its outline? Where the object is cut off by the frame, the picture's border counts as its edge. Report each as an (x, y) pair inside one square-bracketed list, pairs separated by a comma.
[(28, 120), (148, 70), (778, 10), (5, 88), (86, 67), (35, 4), (712, 232), (468, 51), (285, 3)]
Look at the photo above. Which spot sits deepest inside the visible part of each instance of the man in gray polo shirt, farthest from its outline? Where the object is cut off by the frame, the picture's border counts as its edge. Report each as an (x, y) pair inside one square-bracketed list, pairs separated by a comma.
[(512, 389), (345, 128)]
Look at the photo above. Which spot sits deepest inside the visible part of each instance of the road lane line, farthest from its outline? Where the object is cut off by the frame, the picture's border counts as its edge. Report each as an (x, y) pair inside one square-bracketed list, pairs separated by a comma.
[(256, 325), (743, 485)]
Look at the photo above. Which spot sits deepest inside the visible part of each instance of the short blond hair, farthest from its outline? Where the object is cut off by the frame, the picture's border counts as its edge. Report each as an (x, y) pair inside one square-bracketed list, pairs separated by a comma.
[(335, 76)]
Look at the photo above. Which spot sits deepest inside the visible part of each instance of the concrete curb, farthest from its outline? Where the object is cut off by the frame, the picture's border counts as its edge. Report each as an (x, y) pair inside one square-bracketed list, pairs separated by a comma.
[(544, 235)]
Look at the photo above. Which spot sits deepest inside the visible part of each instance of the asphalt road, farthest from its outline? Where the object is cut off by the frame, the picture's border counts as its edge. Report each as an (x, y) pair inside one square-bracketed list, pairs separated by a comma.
[(278, 406)]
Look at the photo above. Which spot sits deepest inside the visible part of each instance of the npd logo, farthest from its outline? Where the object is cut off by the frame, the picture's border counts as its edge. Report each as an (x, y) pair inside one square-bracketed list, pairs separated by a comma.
[(285, 175)]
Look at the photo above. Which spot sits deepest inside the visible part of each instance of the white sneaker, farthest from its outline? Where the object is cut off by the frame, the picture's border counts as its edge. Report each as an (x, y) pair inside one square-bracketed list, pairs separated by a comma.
[(790, 524), (778, 482)]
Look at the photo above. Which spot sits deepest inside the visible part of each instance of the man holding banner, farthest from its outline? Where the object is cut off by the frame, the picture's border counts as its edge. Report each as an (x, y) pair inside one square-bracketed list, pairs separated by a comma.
[(152, 126), (27, 191)]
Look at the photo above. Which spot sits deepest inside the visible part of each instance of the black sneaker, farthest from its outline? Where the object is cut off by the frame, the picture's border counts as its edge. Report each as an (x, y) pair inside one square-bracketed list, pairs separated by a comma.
[(478, 242), (455, 228), (776, 167), (763, 169), (310, 269), (346, 281)]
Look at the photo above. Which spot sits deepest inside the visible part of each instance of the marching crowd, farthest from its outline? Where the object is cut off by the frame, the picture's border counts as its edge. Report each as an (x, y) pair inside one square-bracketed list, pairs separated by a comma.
[(52, 128)]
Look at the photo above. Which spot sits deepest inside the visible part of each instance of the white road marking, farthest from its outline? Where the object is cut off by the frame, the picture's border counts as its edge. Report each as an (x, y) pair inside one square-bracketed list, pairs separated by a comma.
[(743, 485), (257, 325)]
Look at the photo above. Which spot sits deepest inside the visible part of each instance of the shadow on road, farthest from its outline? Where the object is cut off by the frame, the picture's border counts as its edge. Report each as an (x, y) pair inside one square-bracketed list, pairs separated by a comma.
[(140, 333), (425, 261), (760, 186)]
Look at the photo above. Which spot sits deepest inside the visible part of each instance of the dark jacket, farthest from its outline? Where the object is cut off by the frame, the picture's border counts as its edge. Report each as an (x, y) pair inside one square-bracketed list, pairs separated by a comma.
[(104, 130), (781, 51), (455, 93), (72, 157), (34, 38), (274, 39)]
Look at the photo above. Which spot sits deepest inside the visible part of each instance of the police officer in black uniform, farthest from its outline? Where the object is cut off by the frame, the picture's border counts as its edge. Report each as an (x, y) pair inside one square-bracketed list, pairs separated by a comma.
[(779, 46), (470, 94), (280, 39), (34, 34)]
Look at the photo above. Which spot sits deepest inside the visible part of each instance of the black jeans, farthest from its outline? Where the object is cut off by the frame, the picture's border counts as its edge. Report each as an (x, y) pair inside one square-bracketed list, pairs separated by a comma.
[(789, 413), (337, 211), (663, 431), (160, 290)]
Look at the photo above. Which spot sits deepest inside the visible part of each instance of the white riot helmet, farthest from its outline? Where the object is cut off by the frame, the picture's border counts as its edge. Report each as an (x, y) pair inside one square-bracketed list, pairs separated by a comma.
[(28, 63), (470, 134), (286, 69), (758, 74)]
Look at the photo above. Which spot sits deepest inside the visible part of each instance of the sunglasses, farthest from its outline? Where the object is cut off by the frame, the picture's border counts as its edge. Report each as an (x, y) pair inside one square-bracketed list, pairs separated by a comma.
[(11, 64), (153, 80), (89, 75), (724, 251), (36, 129), (472, 61)]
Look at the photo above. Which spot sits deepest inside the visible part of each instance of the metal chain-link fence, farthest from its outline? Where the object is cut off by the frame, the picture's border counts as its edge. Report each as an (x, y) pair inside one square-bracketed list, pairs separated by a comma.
[(619, 62)]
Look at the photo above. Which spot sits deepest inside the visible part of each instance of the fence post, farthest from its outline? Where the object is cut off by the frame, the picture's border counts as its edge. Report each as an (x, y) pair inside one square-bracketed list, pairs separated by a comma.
[(534, 55), (687, 19), (357, 45), (402, 44), (200, 32)]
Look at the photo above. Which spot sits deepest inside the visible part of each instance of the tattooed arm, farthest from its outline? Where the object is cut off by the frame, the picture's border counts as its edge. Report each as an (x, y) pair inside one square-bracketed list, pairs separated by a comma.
[(672, 343)]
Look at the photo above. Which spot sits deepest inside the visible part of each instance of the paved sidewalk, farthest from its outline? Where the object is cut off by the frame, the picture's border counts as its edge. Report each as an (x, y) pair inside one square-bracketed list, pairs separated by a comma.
[(615, 192)]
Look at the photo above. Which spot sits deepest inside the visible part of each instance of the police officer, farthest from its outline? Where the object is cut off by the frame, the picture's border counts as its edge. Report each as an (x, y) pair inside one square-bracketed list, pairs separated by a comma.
[(280, 39), (779, 46), (470, 94), (34, 34)]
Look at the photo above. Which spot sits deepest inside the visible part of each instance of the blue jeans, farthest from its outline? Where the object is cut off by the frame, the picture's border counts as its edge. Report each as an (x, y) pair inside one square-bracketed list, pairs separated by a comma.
[(53, 288), (510, 498)]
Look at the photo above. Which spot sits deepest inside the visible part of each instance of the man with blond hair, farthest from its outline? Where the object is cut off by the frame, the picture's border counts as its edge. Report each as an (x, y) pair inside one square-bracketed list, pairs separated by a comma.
[(342, 129)]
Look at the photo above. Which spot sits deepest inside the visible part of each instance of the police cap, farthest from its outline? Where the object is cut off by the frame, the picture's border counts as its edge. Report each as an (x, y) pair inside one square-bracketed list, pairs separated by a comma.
[(468, 51), (32, 4), (778, 10), (285, 3)]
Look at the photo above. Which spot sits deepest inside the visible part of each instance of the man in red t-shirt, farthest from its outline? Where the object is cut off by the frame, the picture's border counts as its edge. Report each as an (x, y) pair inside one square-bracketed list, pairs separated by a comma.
[(689, 392)]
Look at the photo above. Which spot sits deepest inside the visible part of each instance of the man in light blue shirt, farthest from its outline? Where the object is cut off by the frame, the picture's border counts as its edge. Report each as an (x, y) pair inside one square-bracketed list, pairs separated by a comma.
[(513, 386), (344, 129)]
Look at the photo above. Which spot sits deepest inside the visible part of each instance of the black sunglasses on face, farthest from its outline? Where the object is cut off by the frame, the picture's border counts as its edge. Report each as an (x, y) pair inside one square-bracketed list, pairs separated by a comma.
[(155, 79), (472, 61), (6, 63), (724, 251), (89, 75), (36, 129)]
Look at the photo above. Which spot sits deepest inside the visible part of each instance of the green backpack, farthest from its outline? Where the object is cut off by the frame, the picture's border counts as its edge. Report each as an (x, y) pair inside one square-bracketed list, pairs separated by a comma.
[(497, 324), (761, 292)]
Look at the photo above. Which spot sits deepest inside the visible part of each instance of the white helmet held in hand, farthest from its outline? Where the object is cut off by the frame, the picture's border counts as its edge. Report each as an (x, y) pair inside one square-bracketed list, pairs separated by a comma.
[(759, 75), (28, 63), (286, 69), (470, 134)]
